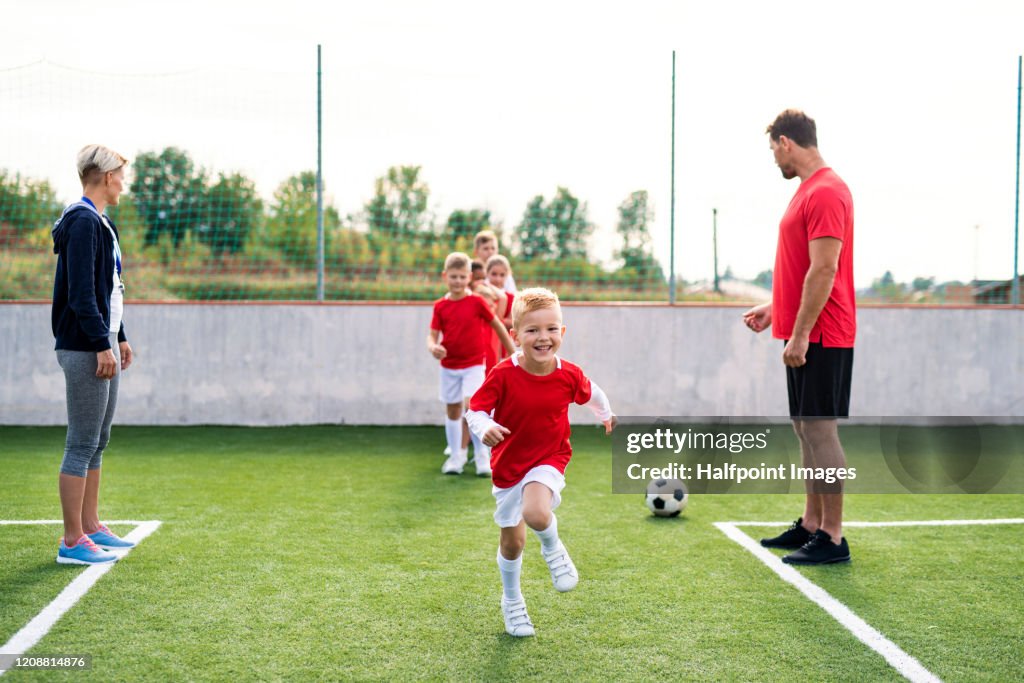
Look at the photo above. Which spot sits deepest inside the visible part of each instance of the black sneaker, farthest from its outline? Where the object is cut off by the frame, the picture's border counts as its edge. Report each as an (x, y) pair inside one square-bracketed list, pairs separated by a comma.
[(792, 538), (820, 550)]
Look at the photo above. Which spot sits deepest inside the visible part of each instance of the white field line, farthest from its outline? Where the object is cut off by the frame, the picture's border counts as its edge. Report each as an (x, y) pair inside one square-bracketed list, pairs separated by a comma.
[(907, 666), (22, 641)]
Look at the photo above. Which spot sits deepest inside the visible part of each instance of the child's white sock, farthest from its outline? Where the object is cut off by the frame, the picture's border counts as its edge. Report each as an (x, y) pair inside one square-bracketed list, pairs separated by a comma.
[(510, 570), (549, 537), (453, 432)]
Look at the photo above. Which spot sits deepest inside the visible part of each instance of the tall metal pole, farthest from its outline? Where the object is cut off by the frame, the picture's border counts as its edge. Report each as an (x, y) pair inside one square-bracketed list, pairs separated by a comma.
[(319, 183), (1016, 204), (714, 242), (672, 218)]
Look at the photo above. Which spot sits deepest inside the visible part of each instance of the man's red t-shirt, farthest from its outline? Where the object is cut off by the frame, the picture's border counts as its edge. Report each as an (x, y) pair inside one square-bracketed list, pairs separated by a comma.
[(535, 410), (821, 207), (461, 323)]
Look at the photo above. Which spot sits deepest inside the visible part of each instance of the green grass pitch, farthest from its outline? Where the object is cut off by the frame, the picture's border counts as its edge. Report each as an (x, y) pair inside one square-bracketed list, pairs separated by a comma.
[(342, 553)]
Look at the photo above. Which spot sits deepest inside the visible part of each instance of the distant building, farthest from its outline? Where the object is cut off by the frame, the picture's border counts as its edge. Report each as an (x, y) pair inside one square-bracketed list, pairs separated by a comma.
[(994, 291)]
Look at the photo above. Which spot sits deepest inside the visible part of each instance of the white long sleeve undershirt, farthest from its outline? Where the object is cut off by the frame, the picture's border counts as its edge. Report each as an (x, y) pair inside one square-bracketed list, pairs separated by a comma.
[(479, 421)]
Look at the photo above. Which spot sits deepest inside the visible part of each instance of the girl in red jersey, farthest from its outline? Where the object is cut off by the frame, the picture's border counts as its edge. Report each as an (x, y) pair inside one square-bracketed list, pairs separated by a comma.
[(522, 412)]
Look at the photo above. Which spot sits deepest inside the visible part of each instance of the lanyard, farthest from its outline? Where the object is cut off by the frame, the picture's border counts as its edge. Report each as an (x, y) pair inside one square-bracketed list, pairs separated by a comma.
[(117, 247)]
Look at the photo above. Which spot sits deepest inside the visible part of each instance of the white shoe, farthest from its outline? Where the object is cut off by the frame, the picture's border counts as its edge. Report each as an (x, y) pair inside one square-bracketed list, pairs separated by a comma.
[(483, 463), (517, 621), (563, 571), (454, 465)]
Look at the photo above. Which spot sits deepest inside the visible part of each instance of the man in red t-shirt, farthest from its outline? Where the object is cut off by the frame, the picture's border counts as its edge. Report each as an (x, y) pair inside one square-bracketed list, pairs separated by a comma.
[(522, 412), (814, 311), (456, 338)]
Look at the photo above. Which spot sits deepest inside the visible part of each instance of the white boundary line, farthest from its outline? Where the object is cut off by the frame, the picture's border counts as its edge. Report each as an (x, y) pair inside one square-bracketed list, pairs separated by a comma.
[(907, 666), (22, 641)]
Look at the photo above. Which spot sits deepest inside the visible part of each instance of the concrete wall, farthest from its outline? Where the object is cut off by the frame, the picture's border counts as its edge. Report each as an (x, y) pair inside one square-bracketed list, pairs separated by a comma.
[(367, 364)]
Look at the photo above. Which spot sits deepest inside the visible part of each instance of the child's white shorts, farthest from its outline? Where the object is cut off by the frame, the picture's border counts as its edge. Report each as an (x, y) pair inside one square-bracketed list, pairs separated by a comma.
[(510, 500), (458, 385)]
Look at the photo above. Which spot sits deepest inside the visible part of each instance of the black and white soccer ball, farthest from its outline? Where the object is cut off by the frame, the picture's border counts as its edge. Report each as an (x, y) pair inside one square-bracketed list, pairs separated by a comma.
[(667, 497)]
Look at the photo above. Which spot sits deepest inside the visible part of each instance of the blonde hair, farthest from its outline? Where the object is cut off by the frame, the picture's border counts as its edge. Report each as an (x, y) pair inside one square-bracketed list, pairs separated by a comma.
[(483, 237), (495, 260), (456, 260), (533, 299), (96, 160)]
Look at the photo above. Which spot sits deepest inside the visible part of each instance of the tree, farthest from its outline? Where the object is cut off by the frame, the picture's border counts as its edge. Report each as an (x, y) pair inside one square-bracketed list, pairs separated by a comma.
[(26, 204), (887, 288), (170, 194), (533, 234), (764, 279), (922, 284), (554, 230), (635, 215), (291, 227), (466, 224), (399, 206), (233, 211)]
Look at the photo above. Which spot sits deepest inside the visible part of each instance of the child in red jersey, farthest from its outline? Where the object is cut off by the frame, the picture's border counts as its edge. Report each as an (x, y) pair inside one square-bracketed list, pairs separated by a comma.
[(498, 272), (522, 412), (456, 338)]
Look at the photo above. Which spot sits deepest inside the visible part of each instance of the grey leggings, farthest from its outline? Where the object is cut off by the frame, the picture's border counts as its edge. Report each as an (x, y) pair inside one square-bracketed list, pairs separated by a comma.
[(91, 403)]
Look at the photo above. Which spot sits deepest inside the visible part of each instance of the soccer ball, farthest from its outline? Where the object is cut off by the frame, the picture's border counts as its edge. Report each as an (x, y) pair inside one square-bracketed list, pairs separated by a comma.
[(667, 497)]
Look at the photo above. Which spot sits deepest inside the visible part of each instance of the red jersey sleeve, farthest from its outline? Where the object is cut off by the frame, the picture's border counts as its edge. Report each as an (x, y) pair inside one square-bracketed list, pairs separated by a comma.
[(435, 320), (487, 396), (483, 309), (582, 392), (826, 214)]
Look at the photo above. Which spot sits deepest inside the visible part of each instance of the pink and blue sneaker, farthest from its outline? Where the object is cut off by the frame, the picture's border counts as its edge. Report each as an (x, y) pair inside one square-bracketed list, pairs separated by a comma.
[(108, 540), (84, 551)]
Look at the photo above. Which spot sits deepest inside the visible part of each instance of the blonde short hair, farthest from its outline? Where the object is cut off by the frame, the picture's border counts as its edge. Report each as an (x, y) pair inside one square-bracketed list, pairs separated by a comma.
[(483, 237), (95, 160), (533, 299), (495, 260), (456, 260)]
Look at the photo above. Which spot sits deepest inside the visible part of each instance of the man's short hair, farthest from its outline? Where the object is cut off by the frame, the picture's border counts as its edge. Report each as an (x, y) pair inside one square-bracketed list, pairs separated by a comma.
[(456, 261), (795, 125), (96, 160), (533, 299), (483, 237)]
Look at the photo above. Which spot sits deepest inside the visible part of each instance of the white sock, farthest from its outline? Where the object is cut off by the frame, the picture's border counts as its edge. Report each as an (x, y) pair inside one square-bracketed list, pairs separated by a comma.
[(510, 570), (453, 432), (549, 537), (479, 449)]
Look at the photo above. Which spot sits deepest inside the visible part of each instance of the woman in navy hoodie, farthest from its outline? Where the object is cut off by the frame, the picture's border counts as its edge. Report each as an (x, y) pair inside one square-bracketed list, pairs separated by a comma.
[(92, 349)]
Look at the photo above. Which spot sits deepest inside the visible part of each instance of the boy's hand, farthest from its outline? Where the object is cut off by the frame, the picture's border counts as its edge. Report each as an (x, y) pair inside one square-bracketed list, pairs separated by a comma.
[(610, 424), (495, 435), (438, 351)]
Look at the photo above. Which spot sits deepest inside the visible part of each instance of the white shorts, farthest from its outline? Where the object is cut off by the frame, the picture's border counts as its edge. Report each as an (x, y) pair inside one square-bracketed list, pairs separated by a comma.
[(510, 500), (458, 385)]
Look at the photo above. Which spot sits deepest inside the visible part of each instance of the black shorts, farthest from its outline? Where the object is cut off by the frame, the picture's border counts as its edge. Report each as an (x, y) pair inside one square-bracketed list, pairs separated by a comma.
[(821, 387)]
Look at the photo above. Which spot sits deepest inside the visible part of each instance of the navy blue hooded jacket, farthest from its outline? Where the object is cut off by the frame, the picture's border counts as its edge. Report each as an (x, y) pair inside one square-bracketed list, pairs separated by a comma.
[(85, 277)]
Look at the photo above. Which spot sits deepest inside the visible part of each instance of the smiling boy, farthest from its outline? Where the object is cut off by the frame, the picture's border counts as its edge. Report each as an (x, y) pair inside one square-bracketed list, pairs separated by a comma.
[(522, 413)]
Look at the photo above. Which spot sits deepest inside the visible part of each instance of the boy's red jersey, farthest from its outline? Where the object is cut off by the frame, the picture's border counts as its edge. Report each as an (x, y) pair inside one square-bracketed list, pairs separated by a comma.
[(461, 323), (535, 410)]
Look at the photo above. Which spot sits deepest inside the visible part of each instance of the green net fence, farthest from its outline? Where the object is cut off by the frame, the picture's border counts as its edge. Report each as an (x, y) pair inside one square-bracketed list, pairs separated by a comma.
[(225, 208)]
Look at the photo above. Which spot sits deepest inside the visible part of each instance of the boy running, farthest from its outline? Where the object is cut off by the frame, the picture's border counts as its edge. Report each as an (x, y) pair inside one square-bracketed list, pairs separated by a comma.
[(522, 412)]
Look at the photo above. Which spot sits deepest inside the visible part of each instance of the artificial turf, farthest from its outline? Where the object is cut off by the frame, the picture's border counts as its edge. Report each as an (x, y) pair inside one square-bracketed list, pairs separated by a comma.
[(339, 553)]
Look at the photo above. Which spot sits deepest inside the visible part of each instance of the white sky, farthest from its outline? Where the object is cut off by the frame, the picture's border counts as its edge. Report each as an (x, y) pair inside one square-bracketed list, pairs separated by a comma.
[(915, 104)]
